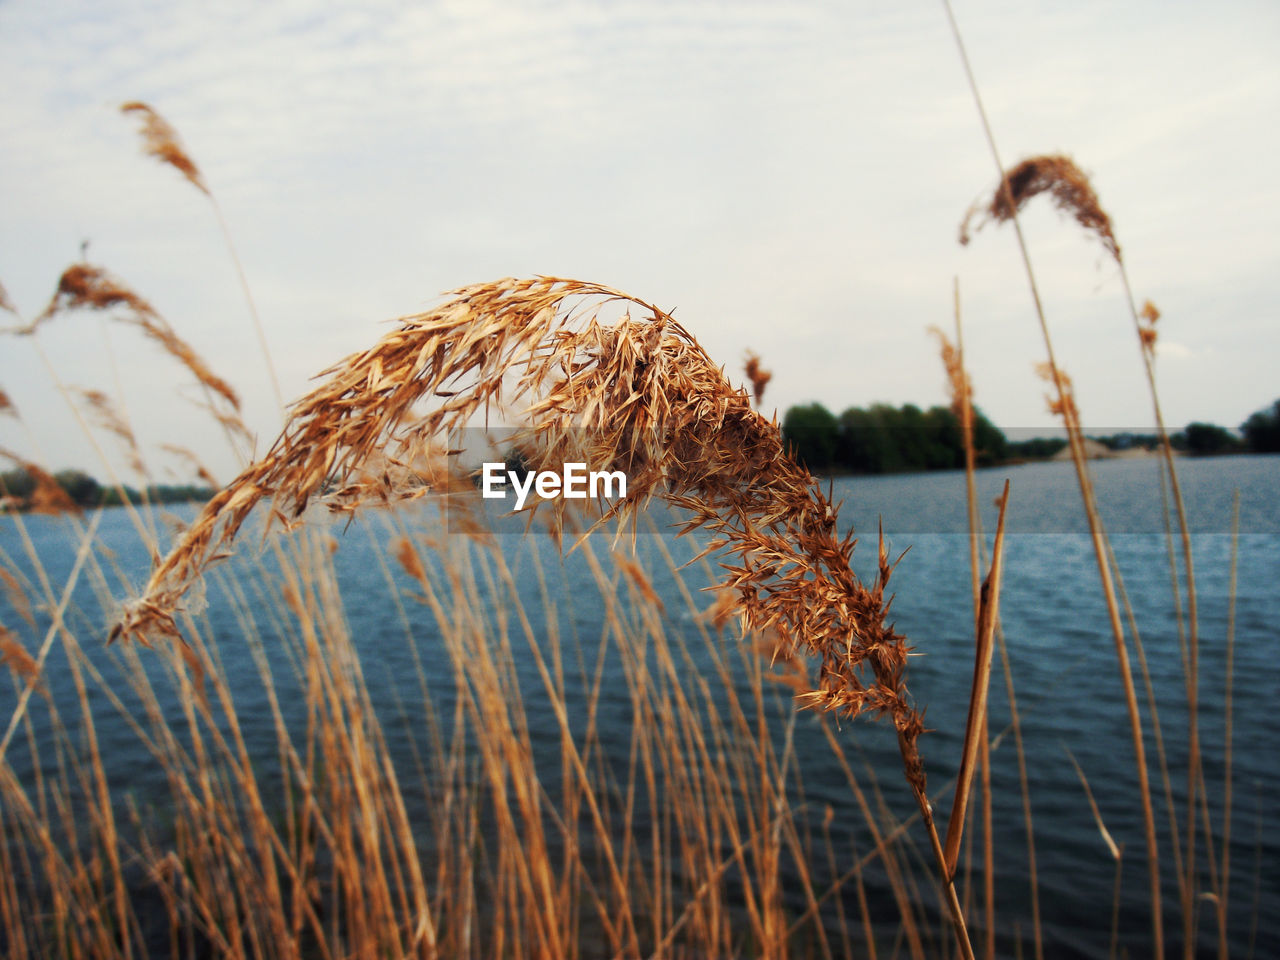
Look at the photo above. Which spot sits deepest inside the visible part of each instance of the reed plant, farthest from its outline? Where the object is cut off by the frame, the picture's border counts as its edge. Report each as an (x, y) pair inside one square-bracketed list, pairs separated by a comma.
[(506, 802)]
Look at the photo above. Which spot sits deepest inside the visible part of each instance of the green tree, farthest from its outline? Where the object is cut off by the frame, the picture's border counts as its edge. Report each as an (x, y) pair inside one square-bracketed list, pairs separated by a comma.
[(813, 434), (989, 443), (867, 444), (944, 439), (1204, 439), (1262, 430), (81, 488), (16, 483)]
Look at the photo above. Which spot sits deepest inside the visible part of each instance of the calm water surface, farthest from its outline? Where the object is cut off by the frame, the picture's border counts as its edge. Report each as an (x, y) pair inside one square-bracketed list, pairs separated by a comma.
[(1061, 657)]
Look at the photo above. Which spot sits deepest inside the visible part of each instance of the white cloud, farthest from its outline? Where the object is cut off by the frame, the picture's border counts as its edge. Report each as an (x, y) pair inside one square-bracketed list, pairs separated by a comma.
[(790, 176)]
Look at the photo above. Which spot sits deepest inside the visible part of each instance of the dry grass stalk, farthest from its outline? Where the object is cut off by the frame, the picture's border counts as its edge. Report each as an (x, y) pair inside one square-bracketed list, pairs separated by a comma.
[(1066, 185), (161, 141), (1228, 736), (1073, 193), (960, 388), (974, 731), (1144, 322), (758, 376)]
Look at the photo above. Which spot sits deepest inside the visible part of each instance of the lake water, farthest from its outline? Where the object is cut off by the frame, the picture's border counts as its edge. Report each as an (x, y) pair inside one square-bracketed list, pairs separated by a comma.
[(1060, 650)]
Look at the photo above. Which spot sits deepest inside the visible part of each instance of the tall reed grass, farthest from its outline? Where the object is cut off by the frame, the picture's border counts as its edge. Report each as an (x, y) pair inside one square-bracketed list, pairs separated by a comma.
[(495, 813)]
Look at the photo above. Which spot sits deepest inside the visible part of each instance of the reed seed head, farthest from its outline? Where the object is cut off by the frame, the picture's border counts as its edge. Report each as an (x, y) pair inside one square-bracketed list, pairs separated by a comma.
[(637, 395), (959, 385), (1065, 183), (758, 376), (161, 141)]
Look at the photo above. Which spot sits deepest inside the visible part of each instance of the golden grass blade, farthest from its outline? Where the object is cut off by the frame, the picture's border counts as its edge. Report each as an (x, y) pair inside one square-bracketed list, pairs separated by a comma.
[(984, 644)]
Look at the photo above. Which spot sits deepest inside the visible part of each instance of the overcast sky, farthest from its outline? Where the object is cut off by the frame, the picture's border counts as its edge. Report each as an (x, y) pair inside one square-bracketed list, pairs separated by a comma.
[(787, 177)]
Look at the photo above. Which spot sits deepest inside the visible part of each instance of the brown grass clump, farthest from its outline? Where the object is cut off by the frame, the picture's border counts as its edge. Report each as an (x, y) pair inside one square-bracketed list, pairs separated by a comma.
[(1056, 175), (161, 141), (636, 395), (758, 376)]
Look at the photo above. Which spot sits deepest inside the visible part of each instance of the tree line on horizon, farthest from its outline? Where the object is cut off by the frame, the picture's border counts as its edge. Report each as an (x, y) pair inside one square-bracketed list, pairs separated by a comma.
[(883, 438), (19, 486), (876, 439)]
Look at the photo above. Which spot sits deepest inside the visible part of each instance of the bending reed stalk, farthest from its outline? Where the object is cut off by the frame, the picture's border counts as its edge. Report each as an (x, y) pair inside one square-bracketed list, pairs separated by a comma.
[(1066, 406)]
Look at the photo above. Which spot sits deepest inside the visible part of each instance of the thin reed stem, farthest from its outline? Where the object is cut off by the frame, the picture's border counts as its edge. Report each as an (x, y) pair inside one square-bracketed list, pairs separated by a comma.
[(1076, 441)]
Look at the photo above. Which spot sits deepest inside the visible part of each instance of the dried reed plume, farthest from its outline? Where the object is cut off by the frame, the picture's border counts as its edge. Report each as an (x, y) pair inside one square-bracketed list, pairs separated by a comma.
[(637, 395), (84, 286), (1056, 175), (1147, 334), (959, 386), (758, 376), (7, 406), (161, 141), (1061, 403)]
